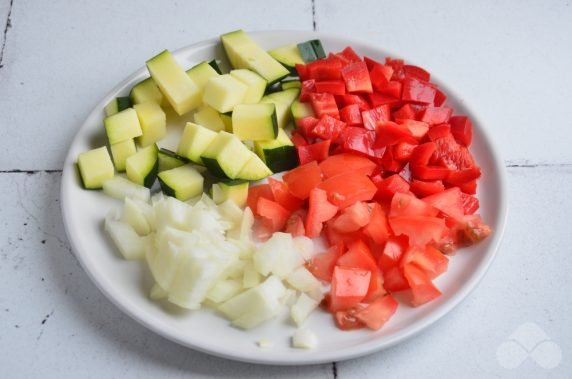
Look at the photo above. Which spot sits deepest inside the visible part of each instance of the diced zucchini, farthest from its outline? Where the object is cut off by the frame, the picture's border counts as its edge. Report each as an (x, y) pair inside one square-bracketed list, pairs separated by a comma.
[(153, 123), (201, 73), (254, 169), (224, 92), (95, 167), (117, 105), (122, 126), (288, 55), (183, 94), (194, 141), (227, 121), (225, 156), (287, 84), (120, 188), (255, 122), (142, 166), (208, 117), (215, 65), (169, 160), (146, 91), (182, 182), (301, 110), (279, 154), (255, 83), (235, 190), (120, 151), (283, 101), (243, 52), (311, 50)]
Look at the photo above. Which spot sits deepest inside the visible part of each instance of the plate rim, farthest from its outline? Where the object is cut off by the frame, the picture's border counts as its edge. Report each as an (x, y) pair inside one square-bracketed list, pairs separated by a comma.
[(301, 359)]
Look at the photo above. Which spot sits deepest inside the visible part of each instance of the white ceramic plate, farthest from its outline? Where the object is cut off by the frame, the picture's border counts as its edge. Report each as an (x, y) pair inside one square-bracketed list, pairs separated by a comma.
[(127, 284)]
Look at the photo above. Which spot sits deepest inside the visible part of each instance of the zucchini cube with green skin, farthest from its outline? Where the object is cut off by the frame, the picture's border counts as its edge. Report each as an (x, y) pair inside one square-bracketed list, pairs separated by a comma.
[(243, 52), (183, 94), (289, 56), (283, 101), (201, 73), (301, 110), (278, 154), (182, 182), (235, 190), (145, 91), (287, 84), (153, 123), (255, 83), (169, 160), (120, 151), (254, 169), (194, 142), (225, 156), (255, 122), (95, 167), (142, 166), (208, 117), (122, 126), (117, 105), (223, 92)]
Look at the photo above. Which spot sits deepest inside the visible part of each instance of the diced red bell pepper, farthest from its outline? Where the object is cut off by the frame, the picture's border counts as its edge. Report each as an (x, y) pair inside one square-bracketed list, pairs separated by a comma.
[(440, 98), (429, 173), (350, 54), (302, 179), (346, 189), (462, 129), (439, 131), (404, 113), (360, 141), (297, 138), (308, 87), (372, 116), (370, 62), (390, 133), (356, 77), (389, 163), (470, 204), (344, 163), (436, 115), (377, 229), (418, 129), (403, 150), (458, 177), (349, 287), (350, 98), (423, 188), (422, 154), (324, 104), (335, 87), (419, 91), (328, 128), (392, 88), (324, 69), (377, 99), (302, 71), (390, 186), (416, 72), (313, 152), (469, 187), (380, 75), (351, 115), (320, 210), (306, 124)]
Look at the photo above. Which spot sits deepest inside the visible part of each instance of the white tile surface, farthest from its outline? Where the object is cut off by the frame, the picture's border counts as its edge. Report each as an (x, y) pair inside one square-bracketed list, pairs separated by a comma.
[(62, 57), (55, 322), (509, 59)]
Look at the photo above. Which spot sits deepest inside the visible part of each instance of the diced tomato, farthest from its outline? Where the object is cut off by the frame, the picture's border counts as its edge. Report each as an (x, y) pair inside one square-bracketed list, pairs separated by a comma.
[(376, 289), (392, 252), (420, 229), (372, 116), (306, 124), (377, 313), (390, 186), (462, 129), (303, 179), (351, 114), (349, 99), (335, 87), (436, 115), (418, 129), (282, 195), (422, 288), (333, 237), (349, 287), (449, 202), (416, 72), (404, 204), (377, 229), (470, 204), (347, 320), (393, 280), (343, 163), (255, 192), (418, 91), (320, 210), (273, 214), (324, 104), (328, 128), (322, 265), (392, 89), (356, 77), (475, 229), (423, 188), (360, 141), (324, 69), (345, 189), (295, 224), (352, 218), (402, 151), (307, 89), (313, 152)]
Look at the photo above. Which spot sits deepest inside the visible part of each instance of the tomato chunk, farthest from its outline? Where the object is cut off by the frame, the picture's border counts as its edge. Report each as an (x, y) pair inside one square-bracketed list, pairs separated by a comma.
[(303, 179), (404, 204), (377, 229), (349, 287), (343, 163), (352, 218), (422, 288), (319, 211), (449, 202), (420, 229), (255, 192), (345, 189), (322, 265), (273, 214), (377, 313), (282, 195)]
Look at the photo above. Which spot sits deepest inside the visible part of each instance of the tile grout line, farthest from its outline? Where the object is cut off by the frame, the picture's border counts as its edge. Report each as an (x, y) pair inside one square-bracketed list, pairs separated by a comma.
[(314, 15), (30, 172), (335, 369), (8, 25)]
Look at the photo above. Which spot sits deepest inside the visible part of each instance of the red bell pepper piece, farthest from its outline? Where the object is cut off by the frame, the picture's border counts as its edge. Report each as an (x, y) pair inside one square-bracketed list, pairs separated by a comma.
[(418, 91), (356, 77), (313, 152)]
